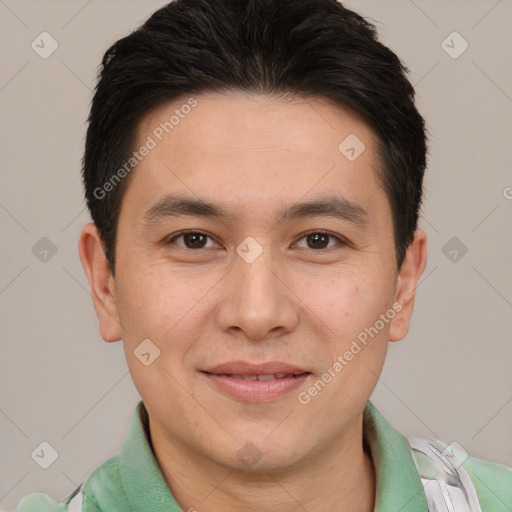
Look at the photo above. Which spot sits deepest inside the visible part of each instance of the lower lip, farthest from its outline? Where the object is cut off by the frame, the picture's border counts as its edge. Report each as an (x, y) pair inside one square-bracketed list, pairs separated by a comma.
[(256, 390)]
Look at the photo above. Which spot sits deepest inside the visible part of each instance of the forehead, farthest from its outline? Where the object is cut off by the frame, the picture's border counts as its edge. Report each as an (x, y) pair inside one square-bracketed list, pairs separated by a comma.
[(240, 120), (248, 151)]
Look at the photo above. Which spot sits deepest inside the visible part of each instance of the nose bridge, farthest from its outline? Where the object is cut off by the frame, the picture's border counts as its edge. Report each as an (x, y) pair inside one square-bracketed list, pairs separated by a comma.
[(258, 278), (255, 300)]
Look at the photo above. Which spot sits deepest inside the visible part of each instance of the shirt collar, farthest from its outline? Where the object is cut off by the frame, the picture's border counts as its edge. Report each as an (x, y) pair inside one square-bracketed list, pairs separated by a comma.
[(399, 486), (142, 479)]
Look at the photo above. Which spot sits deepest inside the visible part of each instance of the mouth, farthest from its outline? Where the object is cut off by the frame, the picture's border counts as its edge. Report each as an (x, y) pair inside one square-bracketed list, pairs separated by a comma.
[(263, 377), (255, 383)]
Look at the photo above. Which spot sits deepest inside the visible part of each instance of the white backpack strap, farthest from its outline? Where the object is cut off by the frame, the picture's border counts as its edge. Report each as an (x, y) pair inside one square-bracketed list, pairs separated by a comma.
[(74, 502), (447, 485)]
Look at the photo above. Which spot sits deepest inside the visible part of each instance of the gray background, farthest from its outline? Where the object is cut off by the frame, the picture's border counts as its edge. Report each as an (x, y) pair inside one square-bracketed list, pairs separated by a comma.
[(451, 378)]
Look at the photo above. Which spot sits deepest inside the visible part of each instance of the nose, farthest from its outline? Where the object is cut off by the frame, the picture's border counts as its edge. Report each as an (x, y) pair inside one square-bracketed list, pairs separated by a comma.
[(257, 300)]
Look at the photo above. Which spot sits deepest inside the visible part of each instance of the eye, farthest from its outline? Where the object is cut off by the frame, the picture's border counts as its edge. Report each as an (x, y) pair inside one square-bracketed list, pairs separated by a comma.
[(191, 240), (318, 240), (194, 240)]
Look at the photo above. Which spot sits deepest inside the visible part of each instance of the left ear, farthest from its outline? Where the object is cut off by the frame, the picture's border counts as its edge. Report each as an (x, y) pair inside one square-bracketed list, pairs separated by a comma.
[(412, 268)]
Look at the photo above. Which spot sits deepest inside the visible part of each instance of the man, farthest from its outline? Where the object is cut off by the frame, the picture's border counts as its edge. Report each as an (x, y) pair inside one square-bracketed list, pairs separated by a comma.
[(254, 173)]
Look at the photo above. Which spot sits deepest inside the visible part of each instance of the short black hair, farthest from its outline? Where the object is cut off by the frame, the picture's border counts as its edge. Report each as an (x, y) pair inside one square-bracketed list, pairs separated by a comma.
[(306, 48)]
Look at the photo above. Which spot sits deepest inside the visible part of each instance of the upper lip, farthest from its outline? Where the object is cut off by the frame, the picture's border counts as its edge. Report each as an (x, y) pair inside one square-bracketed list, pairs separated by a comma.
[(246, 368)]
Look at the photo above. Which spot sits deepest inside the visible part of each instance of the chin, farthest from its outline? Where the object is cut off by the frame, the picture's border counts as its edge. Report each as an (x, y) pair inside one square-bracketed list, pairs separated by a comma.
[(259, 454)]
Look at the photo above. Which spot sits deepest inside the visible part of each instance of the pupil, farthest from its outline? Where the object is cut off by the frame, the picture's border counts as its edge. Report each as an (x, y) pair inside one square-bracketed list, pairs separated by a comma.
[(319, 237)]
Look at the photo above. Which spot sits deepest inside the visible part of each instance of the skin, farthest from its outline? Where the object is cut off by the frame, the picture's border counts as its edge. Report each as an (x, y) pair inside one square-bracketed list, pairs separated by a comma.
[(297, 303)]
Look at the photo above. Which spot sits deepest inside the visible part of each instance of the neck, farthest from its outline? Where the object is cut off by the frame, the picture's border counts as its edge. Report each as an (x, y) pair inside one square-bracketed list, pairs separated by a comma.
[(340, 478)]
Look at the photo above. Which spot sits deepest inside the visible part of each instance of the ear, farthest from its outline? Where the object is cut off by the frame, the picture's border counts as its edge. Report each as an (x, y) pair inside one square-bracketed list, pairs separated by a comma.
[(101, 281), (412, 268)]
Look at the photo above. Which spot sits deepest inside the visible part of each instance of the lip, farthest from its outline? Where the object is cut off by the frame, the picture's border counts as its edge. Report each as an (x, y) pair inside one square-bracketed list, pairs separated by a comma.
[(247, 368), (255, 391)]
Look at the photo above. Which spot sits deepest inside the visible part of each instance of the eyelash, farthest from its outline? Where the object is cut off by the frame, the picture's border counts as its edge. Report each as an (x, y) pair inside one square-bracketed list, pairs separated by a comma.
[(174, 237)]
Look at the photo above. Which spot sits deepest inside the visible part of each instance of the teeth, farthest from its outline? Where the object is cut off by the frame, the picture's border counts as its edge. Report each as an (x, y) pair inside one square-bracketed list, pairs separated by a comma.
[(245, 377), (270, 376), (267, 377)]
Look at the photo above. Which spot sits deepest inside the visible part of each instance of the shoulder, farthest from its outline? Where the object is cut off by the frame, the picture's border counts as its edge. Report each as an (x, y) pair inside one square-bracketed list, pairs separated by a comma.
[(39, 502), (493, 483), (489, 483), (82, 499), (105, 488), (76, 502)]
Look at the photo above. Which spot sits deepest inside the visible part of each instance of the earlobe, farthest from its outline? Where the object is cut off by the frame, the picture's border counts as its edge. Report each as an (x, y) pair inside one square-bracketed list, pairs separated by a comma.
[(101, 282), (412, 268)]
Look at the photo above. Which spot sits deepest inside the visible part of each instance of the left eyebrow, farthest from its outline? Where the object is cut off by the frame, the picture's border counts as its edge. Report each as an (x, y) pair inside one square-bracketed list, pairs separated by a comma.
[(329, 206)]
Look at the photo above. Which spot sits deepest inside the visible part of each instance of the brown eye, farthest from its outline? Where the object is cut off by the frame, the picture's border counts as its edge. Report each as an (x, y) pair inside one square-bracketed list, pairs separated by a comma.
[(319, 240), (194, 240), (191, 240)]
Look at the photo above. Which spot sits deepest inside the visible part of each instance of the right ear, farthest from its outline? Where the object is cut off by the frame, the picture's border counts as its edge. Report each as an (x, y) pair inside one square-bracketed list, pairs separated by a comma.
[(101, 281)]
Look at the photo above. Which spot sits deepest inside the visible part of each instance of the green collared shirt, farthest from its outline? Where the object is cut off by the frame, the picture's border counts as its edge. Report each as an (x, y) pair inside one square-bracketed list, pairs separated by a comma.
[(132, 481)]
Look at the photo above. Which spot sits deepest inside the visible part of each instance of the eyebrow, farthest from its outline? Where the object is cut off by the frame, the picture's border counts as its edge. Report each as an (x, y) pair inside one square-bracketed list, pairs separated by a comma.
[(328, 206)]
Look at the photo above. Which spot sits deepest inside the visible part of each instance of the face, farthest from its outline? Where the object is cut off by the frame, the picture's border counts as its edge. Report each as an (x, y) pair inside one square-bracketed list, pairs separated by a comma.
[(249, 245)]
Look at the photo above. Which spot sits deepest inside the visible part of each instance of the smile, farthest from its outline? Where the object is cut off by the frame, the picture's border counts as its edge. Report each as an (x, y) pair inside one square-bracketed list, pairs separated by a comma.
[(270, 376), (254, 388)]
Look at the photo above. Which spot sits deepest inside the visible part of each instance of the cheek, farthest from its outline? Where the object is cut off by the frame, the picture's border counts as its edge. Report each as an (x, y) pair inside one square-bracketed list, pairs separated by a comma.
[(345, 313), (157, 303), (345, 303), (140, 302)]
